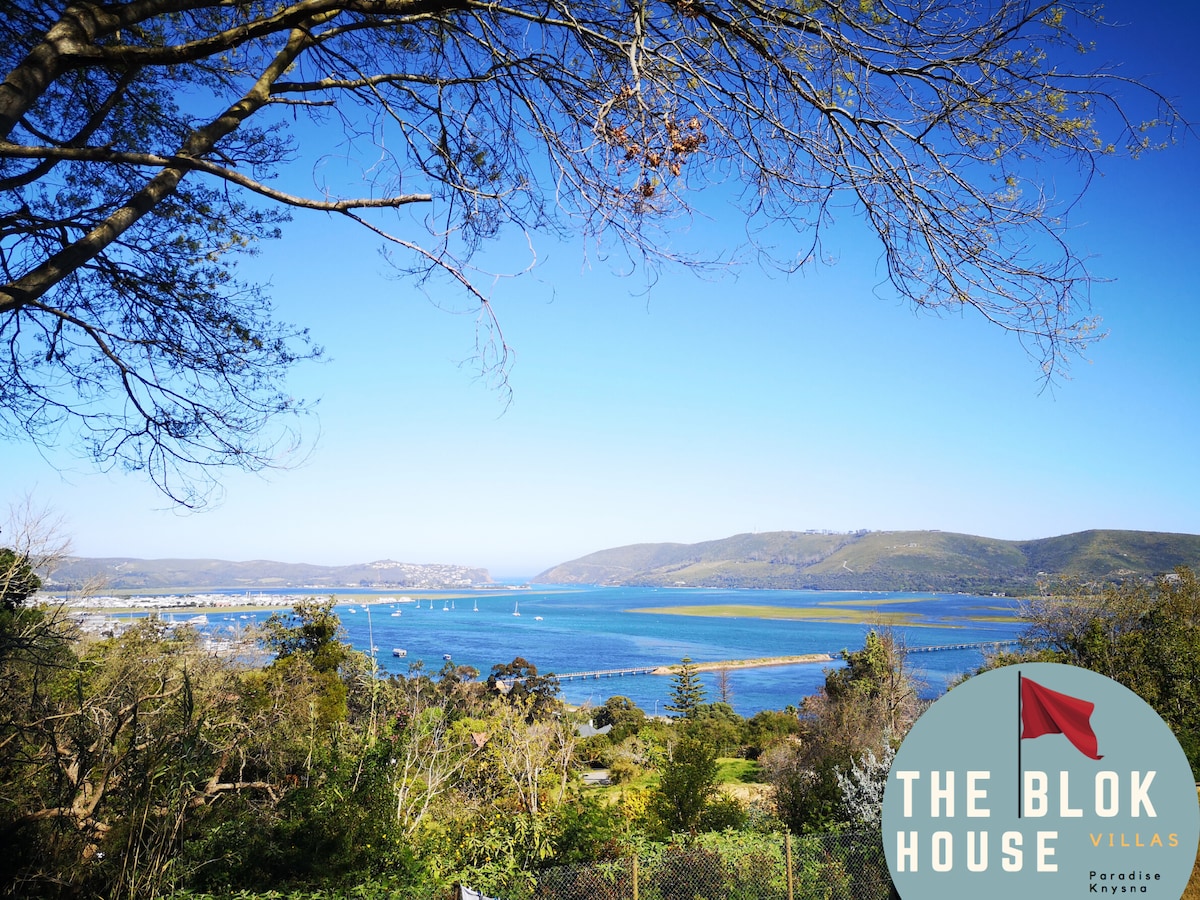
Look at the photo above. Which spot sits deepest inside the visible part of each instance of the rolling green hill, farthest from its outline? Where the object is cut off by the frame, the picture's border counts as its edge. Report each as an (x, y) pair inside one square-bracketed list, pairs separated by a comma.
[(883, 560)]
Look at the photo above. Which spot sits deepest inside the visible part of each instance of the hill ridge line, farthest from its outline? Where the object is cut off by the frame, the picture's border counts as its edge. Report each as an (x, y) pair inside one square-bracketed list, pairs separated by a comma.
[(929, 560)]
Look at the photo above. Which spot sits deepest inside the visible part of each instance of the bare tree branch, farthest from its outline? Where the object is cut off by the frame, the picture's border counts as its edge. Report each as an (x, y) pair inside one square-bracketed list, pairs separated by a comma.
[(143, 145)]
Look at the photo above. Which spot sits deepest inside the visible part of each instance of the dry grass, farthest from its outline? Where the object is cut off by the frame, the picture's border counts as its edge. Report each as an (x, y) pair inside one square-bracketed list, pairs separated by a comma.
[(1192, 892)]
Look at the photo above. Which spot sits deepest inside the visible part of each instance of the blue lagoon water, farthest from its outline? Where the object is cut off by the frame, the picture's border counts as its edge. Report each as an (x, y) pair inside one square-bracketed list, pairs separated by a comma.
[(573, 629)]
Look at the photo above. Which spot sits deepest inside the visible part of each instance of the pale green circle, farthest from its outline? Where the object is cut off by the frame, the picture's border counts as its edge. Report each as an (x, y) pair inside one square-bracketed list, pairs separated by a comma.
[(975, 728)]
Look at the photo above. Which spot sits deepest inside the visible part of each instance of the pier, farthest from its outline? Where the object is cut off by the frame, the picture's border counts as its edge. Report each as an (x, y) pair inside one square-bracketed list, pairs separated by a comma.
[(974, 645), (609, 673)]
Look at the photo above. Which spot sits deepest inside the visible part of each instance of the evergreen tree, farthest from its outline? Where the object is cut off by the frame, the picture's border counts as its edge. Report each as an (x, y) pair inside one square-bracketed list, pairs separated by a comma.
[(688, 692)]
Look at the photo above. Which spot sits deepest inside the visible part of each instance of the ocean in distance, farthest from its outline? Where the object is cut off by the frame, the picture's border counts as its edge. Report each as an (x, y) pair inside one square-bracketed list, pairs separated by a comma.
[(574, 629)]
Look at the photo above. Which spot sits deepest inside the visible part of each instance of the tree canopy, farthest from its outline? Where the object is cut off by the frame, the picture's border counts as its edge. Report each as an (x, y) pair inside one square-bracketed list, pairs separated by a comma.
[(144, 146), (1144, 635), (18, 581)]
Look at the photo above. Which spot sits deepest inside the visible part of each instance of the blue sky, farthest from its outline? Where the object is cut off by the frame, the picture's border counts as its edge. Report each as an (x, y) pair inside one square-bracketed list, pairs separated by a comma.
[(706, 408)]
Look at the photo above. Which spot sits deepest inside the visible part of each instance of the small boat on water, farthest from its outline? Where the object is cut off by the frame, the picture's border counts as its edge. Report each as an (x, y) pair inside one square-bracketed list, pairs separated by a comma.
[(396, 614), (446, 656), (537, 618), (516, 609), (399, 651)]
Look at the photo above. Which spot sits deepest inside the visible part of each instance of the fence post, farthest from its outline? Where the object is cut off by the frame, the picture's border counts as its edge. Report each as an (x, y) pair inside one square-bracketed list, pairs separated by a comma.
[(787, 844), (635, 878)]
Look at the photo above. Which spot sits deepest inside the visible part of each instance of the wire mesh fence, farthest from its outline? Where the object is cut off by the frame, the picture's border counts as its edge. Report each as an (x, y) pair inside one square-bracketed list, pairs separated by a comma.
[(844, 866)]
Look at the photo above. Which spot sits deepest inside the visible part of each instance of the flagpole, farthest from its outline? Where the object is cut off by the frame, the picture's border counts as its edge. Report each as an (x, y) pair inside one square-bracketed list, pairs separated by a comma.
[(1020, 778)]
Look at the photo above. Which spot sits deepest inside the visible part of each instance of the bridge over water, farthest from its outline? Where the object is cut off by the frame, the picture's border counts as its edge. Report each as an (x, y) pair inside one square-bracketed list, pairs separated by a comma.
[(671, 668), (972, 645), (609, 673)]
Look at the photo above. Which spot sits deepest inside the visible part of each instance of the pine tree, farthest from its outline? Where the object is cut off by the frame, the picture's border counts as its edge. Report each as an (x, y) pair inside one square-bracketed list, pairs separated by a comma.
[(688, 692)]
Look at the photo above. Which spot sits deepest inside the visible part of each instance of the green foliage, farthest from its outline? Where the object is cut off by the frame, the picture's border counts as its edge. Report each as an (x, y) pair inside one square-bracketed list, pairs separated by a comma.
[(625, 717), (807, 795), (1146, 636), (863, 708), (587, 830), (688, 782), (311, 630), (753, 867), (690, 872), (519, 683), (719, 726), (723, 813), (769, 727), (687, 691), (18, 581), (309, 777)]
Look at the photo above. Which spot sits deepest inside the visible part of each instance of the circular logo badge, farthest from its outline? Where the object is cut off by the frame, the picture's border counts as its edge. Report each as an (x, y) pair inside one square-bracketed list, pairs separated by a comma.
[(1040, 781)]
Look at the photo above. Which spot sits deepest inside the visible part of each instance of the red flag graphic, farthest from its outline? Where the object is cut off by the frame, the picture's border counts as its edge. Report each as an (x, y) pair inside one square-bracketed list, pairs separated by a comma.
[(1044, 711)]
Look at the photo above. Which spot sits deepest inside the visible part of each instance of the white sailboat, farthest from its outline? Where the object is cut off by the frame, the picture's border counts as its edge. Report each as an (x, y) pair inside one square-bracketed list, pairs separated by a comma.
[(516, 610)]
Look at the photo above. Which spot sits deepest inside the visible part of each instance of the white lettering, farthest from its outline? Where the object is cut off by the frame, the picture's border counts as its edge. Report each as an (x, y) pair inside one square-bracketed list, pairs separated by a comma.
[(1036, 802), (1010, 846), (907, 777), (1065, 809), (943, 846), (906, 854), (1107, 807), (977, 862), (975, 794), (943, 851), (1044, 851), (1139, 796), (937, 794)]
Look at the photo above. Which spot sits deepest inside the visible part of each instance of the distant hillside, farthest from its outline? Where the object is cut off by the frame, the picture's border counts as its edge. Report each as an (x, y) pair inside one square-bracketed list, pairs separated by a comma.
[(210, 574), (883, 560)]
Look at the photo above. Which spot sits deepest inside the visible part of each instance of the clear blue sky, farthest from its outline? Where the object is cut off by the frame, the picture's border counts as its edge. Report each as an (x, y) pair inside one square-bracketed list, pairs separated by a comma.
[(708, 408)]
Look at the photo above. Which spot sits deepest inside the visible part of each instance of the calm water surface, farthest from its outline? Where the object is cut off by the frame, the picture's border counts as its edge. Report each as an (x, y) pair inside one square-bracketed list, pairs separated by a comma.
[(581, 629)]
